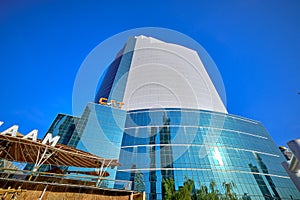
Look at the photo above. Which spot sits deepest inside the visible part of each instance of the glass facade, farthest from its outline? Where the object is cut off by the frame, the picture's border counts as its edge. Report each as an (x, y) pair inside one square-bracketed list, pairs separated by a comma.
[(173, 125), (65, 127), (100, 131), (115, 77), (202, 146)]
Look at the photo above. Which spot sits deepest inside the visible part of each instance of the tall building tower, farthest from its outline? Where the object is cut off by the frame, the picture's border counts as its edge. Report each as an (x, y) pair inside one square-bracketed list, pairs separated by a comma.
[(176, 126)]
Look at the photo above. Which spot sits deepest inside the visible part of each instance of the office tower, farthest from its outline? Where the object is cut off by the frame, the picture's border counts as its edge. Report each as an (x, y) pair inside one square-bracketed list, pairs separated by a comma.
[(177, 125)]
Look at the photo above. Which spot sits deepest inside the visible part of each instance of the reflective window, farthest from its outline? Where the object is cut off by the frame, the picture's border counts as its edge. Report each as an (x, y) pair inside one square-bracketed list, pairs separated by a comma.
[(203, 146)]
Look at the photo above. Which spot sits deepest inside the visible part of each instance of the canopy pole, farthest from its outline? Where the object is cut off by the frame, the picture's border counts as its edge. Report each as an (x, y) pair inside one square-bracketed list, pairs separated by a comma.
[(40, 160), (100, 172), (43, 193), (106, 167)]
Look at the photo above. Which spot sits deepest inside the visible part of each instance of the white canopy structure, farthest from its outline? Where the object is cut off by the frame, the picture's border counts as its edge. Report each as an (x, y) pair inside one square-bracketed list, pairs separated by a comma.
[(23, 150)]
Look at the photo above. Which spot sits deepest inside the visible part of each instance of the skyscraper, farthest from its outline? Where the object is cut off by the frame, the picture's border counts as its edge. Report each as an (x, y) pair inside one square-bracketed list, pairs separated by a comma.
[(158, 112), (177, 125)]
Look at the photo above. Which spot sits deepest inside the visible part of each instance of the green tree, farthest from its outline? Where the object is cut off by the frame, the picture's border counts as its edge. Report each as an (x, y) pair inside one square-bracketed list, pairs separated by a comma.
[(214, 194), (186, 191), (229, 194), (202, 193), (183, 193), (208, 194), (169, 189)]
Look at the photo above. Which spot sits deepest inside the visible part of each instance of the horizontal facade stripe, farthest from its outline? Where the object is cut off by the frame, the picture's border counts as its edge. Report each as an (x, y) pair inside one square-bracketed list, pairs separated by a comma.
[(208, 127), (196, 111), (199, 145), (199, 169)]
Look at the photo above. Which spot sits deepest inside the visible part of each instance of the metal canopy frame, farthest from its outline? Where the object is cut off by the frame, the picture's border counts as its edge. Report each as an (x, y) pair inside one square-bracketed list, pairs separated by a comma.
[(25, 150)]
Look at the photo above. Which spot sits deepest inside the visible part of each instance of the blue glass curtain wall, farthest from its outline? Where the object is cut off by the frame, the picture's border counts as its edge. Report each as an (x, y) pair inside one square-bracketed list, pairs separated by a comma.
[(203, 146)]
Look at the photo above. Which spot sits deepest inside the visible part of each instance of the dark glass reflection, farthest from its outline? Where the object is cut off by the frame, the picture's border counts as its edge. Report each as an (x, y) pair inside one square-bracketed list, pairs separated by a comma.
[(260, 182), (166, 151), (264, 169)]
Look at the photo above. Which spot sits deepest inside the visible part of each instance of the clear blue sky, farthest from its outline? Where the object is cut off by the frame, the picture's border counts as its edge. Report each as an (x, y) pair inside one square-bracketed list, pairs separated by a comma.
[(255, 44)]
